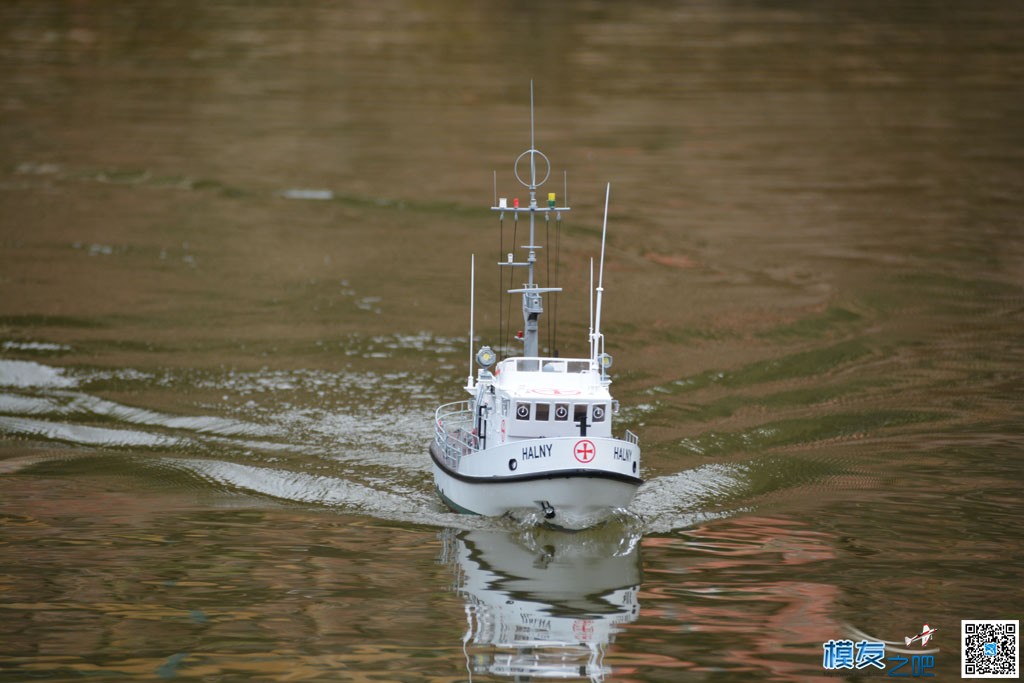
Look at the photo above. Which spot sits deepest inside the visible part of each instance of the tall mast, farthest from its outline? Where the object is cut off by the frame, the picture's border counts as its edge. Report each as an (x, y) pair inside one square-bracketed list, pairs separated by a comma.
[(533, 303)]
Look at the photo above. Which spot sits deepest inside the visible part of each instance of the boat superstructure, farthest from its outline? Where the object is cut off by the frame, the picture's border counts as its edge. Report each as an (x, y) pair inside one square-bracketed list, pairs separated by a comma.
[(536, 431)]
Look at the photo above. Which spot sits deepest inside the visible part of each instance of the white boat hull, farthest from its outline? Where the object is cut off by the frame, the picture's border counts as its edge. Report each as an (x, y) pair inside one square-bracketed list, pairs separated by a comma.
[(541, 475)]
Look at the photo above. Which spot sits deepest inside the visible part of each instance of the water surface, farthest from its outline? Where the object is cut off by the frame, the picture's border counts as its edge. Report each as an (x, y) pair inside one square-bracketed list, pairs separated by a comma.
[(234, 248)]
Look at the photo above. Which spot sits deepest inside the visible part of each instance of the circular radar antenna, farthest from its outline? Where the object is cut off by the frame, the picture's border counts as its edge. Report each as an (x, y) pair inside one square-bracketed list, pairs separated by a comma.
[(533, 153)]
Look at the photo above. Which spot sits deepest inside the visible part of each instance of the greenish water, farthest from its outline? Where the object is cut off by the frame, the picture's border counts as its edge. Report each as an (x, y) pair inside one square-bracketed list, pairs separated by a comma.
[(234, 244)]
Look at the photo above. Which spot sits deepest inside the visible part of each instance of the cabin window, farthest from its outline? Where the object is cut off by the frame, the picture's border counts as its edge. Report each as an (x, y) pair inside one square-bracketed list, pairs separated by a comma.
[(522, 411), (580, 413), (579, 366), (504, 406), (543, 410), (528, 365), (600, 410), (562, 411)]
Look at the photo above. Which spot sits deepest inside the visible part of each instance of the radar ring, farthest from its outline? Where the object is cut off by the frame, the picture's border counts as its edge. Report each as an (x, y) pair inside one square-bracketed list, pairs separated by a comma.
[(532, 153)]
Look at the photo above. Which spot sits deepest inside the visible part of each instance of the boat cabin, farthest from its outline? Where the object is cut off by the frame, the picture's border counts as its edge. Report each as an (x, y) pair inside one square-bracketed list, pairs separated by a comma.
[(549, 397)]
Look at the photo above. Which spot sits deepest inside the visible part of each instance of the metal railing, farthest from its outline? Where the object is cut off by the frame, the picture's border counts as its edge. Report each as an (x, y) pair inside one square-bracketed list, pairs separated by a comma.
[(632, 438), (453, 432)]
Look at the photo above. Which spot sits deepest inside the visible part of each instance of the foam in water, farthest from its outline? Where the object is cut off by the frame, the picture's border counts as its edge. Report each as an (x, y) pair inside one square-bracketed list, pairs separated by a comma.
[(29, 374)]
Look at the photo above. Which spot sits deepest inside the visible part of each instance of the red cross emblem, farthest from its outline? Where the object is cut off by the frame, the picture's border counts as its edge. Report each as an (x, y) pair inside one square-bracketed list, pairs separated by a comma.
[(584, 450), (584, 629)]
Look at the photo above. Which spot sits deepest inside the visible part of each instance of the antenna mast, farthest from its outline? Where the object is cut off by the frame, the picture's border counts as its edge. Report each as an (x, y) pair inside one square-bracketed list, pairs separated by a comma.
[(590, 299), (597, 339), (472, 292)]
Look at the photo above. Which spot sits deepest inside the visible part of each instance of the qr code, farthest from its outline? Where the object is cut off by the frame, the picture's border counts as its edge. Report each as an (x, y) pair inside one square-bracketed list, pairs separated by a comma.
[(990, 649)]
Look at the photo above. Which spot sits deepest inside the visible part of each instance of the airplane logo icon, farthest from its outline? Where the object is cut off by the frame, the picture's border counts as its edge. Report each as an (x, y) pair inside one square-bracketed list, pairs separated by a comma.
[(924, 636)]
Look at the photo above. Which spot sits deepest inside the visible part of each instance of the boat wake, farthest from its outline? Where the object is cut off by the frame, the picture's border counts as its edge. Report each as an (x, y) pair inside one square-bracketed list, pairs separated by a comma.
[(684, 499), (268, 444)]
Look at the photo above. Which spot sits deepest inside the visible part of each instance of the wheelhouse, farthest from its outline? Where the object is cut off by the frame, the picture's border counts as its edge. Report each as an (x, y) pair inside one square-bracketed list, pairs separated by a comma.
[(550, 397)]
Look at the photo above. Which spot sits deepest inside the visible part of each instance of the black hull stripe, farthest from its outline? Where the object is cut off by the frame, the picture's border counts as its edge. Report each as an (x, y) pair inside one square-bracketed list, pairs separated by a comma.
[(453, 506), (560, 474)]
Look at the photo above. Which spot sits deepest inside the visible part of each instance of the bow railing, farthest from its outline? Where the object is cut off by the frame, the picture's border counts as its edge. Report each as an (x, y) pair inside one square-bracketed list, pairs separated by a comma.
[(453, 432)]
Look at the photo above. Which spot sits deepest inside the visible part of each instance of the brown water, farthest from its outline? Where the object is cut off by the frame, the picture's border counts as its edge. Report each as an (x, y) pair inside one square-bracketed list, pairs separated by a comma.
[(216, 391)]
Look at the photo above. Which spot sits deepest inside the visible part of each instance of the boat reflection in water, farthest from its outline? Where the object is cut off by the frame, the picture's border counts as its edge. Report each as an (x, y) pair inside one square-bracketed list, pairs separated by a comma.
[(542, 603)]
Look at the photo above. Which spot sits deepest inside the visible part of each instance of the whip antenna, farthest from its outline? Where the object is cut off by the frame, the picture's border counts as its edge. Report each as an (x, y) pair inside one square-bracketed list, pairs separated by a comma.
[(472, 292), (590, 297), (598, 340)]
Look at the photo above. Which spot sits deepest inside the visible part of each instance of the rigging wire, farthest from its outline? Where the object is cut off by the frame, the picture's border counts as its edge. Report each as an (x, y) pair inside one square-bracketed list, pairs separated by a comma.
[(511, 277), (554, 298), (547, 269)]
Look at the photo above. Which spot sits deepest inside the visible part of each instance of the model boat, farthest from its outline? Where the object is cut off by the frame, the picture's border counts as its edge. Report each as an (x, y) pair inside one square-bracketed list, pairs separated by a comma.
[(536, 431)]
